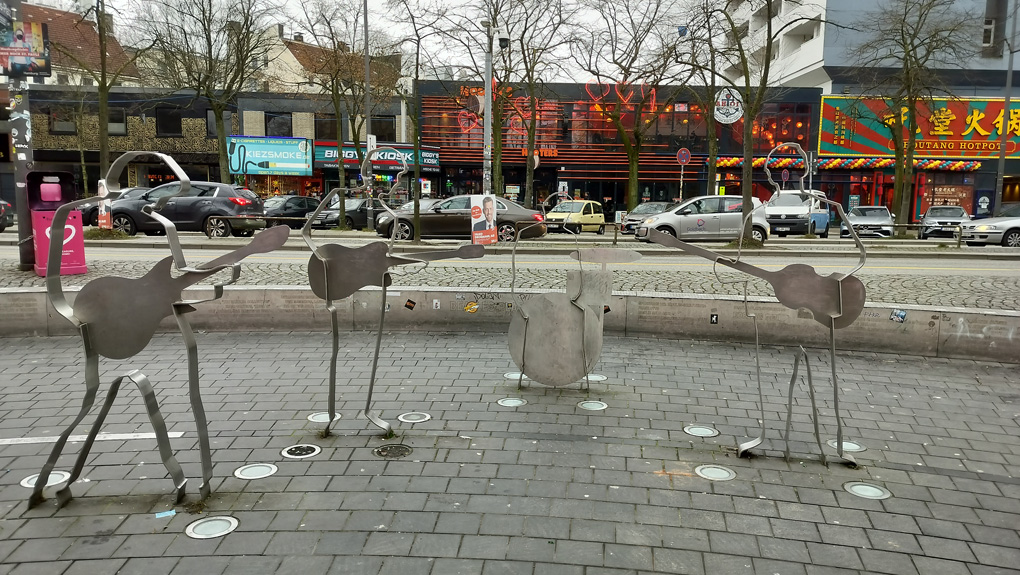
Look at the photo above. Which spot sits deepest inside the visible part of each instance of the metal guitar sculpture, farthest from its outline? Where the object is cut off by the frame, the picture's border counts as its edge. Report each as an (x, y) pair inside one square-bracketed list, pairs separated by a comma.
[(835, 301), (336, 272), (117, 317)]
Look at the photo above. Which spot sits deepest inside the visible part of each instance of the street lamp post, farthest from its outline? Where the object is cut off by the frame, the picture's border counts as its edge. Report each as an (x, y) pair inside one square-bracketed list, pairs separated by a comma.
[(1000, 173), (487, 112)]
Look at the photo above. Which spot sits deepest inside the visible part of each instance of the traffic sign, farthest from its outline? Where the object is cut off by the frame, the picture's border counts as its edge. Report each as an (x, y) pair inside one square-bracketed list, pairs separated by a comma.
[(786, 175), (683, 156)]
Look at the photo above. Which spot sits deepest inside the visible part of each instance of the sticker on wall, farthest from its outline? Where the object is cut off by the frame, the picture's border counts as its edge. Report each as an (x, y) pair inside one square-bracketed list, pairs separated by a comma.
[(471, 307), (605, 309), (509, 305), (713, 318), (409, 304), (898, 316), (435, 304)]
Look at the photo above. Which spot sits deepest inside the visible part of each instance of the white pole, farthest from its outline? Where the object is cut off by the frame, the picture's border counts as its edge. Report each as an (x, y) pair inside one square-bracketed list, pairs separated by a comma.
[(487, 131)]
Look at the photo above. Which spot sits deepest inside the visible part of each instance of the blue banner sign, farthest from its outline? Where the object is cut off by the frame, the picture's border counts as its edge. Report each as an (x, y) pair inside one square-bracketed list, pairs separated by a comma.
[(252, 155), (325, 156)]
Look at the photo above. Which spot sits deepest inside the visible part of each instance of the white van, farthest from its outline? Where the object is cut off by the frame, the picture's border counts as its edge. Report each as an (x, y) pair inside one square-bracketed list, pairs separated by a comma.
[(796, 212)]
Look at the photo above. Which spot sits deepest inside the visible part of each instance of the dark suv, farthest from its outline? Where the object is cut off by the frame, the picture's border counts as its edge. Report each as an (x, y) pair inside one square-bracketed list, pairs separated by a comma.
[(217, 209)]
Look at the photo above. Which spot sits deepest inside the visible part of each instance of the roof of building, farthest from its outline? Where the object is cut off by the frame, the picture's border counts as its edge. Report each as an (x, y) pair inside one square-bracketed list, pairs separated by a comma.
[(311, 57), (71, 33)]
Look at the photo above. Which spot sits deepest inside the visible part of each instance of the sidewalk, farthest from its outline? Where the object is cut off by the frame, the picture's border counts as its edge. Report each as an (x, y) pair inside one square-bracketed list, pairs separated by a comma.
[(545, 488)]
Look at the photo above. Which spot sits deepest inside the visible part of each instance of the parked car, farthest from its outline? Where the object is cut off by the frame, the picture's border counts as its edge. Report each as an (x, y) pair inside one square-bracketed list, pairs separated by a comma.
[(941, 221), (90, 211), (868, 221), (451, 218), (793, 212), (1003, 229), (6, 215), (707, 218), (355, 213), (214, 208), (641, 212), (289, 207), (576, 216)]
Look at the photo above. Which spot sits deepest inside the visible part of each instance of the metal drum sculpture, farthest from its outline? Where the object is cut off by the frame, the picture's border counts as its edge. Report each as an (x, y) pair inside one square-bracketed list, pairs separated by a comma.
[(835, 301), (117, 317), (336, 272)]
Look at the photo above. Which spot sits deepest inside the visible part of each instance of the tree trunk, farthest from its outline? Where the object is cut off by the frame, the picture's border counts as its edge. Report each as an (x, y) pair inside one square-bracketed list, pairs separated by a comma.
[(221, 142), (747, 173)]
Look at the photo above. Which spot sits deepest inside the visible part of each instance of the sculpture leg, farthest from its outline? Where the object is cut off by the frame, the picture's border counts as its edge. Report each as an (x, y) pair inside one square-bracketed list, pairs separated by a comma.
[(331, 399), (789, 405), (747, 445), (195, 395), (166, 452), (835, 397), (814, 405), (64, 494), (367, 412), (91, 388)]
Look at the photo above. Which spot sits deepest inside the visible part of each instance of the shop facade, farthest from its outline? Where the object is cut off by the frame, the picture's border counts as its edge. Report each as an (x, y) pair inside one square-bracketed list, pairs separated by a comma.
[(386, 164)]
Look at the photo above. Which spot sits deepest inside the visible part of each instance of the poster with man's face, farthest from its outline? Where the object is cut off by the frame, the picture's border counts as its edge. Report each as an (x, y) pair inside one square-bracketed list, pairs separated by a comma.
[(483, 219)]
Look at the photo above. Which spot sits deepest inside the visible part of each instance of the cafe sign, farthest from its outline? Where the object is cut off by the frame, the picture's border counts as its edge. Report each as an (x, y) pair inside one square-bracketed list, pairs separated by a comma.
[(946, 128)]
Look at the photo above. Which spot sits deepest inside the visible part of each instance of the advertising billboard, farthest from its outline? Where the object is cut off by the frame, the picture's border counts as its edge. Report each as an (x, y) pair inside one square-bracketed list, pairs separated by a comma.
[(946, 128), (253, 155), (24, 46), (325, 157)]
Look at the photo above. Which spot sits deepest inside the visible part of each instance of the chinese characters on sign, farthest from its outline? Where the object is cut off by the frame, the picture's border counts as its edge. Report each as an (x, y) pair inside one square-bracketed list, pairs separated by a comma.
[(945, 128)]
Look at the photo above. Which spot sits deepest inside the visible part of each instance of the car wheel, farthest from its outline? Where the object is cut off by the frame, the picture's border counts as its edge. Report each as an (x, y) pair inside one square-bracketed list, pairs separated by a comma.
[(243, 233), (758, 235), (573, 228), (1011, 239), (601, 231), (825, 234), (349, 222), (921, 236), (405, 231), (156, 233), (666, 230), (94, 219), (124, 223), (217, 227), (506, 232), (811, 229)]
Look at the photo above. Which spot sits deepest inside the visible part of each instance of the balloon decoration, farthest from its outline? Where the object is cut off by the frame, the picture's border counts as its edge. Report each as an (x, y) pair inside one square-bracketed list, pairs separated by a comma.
[(853, 163)]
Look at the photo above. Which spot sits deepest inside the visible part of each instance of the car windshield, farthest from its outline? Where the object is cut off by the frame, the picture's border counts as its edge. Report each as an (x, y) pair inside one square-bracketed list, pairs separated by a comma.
[(946, 212), (1011, 211), (869, 212), (351, 204), (651, 208), (789, 200), (275, 201), (569, 207)]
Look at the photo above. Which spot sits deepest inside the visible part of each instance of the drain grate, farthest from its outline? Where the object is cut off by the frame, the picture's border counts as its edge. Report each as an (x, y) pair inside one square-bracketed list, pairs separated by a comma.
[(301, 451), (392, 451)]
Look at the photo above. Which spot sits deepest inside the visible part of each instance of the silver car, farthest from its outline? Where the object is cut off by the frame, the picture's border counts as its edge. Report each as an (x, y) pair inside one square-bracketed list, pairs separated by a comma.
[(869, 221), (707, 218), (1003, 229), (941, 221), (641, 212)]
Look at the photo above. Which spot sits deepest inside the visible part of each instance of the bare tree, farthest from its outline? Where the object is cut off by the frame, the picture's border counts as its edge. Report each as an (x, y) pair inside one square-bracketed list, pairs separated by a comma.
[(911, 42), (630, 50), (536, 29), (215, 48), (114, 64)]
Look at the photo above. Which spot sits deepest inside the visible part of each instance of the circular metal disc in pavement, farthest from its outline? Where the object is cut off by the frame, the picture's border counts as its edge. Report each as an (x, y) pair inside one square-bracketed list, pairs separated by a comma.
[(592, 405), (255, 471), (392, 451), (715, 472), (56, 478), (596, 377), (300, 451), (414, 417), (701, 431), (511, 402), (322, 417), (866, 490), (513, 375), (211, 527), (851, 446)]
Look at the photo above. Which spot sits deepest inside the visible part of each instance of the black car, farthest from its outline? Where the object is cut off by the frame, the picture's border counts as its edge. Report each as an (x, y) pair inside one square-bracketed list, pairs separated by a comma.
[(451, 218), (90, 211), (6, 215), (214, 208), (292, 209), (355, 213)]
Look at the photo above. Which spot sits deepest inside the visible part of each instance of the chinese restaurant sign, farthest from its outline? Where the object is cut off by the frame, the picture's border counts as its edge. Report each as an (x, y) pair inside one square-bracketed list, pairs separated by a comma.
[(947, 128)]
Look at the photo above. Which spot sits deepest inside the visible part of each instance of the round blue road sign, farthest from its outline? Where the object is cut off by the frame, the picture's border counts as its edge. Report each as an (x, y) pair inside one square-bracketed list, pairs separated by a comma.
[(683, 156)]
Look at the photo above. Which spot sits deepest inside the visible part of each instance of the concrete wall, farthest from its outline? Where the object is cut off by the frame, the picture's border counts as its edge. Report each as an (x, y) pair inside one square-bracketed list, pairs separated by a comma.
[(915, 330)]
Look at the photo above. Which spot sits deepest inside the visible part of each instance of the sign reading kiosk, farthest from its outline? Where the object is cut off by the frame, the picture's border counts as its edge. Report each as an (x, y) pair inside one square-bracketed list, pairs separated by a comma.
[(269, 156)]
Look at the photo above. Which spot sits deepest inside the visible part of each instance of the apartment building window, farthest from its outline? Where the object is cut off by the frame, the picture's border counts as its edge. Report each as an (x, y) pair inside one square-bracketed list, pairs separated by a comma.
[(62, 79), (168, 122), (988, 33), (117, 123), (385, 128), (325, 127), (87, 81), (210, 123), (278, 125), (62, 122)]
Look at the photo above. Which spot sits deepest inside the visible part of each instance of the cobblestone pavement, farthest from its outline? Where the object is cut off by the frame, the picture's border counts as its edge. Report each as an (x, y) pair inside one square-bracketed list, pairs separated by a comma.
[(545, 488), (979, 292)]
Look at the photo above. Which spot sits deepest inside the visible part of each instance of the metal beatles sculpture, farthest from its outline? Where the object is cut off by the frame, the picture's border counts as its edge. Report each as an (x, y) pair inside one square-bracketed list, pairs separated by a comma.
[(835, 301), (117, 317), (336, 272), (556, 338)]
